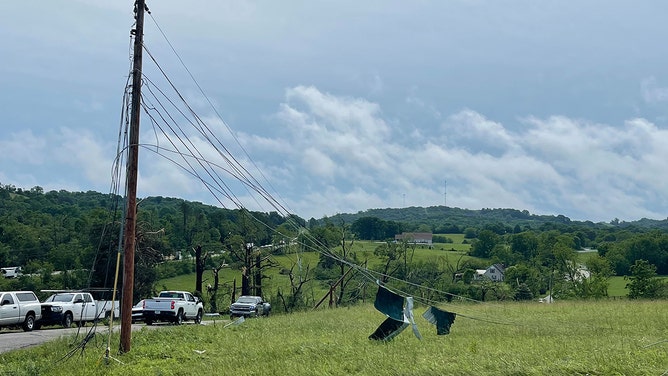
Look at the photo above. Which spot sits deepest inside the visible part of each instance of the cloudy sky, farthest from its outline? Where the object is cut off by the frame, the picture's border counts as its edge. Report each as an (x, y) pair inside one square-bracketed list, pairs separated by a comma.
[(556, 107)]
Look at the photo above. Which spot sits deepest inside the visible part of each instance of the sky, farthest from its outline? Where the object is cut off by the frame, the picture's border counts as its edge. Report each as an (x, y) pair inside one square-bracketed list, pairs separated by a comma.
[(555, 107)]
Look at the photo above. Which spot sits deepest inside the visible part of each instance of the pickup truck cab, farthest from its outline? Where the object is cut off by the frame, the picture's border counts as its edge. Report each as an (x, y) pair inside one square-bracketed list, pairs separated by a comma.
[(65, 308), (19, 308), (173, 306), (250, 306)]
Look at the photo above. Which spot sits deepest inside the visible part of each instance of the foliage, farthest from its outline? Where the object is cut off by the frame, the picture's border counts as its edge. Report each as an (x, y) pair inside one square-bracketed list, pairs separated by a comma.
[(485, 244), (523, 292), (651, 246), (442, 239), (59, 237), (373, 228), (75, 232), (644, 283)]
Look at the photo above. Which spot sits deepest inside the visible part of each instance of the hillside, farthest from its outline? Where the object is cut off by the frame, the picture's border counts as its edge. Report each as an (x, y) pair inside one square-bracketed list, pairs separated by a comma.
[(443, 217)]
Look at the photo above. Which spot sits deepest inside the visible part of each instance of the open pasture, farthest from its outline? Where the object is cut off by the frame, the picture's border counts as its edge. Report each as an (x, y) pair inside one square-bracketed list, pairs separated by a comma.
[(564, 338)]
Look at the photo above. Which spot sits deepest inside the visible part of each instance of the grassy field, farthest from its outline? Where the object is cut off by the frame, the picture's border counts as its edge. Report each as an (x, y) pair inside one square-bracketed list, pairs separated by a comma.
[(564, 338), (451, 253), (363, 250), (617, 287)]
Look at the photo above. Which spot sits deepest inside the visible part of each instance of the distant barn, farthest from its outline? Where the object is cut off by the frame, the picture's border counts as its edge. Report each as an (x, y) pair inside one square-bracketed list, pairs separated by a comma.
[(415, 237)]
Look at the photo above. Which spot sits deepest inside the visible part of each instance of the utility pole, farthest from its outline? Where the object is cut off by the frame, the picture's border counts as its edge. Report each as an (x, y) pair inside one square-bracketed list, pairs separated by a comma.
[(131, 205)]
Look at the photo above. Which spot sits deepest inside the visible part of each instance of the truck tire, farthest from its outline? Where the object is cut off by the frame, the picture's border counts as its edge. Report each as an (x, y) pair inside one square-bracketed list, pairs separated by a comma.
[(148, 322), (198, 318), (67, 320), (29, 323), (179, 318)]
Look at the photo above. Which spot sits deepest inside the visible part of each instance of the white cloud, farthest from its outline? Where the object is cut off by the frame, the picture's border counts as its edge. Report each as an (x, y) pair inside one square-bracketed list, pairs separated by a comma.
[(338, 154), (83, 152), (24, 147), (389, 110), (653, 93), (545, 165), (317, 163), (472, 130)]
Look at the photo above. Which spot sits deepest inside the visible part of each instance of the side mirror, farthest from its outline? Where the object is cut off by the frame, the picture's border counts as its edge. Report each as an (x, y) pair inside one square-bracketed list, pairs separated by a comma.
[(79, 301), (5, 302)]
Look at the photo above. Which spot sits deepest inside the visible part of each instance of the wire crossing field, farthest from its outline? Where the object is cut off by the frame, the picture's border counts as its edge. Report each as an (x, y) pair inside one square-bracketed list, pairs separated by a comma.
[(565, 338)]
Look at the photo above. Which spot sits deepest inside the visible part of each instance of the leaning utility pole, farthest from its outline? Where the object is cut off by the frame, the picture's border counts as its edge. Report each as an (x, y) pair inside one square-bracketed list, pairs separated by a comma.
[(131, 205)]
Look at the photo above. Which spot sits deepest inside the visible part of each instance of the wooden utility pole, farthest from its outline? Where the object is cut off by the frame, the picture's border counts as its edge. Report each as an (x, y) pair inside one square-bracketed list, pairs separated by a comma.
[(131, 205)]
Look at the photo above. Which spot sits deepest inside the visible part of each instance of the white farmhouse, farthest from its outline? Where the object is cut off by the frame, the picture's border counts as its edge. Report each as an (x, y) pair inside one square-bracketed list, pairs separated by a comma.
[(494, 273)]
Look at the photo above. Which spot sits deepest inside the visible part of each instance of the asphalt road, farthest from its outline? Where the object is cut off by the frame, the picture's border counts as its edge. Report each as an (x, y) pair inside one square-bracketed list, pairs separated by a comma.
[(18, 339)]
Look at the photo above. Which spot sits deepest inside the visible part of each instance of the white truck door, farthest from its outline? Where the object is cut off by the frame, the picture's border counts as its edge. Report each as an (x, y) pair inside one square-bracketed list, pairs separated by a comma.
[(191, 307), (90, 309), (78, 308), (9, 310)]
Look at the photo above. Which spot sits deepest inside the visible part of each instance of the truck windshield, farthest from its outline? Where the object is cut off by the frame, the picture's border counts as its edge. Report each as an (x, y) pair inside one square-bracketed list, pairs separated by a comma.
[(247, 300), (59, 298)]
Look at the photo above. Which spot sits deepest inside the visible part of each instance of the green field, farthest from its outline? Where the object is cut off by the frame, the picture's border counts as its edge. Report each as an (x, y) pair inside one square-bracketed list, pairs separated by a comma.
[(617, 287), (564, 338), (362, 249), (451, 253)]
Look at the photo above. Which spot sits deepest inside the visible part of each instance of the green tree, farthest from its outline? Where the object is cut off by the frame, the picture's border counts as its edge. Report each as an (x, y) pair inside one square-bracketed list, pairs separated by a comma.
[(485, 243), (523, 292), (525, 244), (523, 274), (644, 282), (368, 228)]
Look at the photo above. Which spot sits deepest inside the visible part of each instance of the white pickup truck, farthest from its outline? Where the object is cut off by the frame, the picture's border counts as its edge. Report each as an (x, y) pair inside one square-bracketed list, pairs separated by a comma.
[(173, 306), (19, 308), (65, 308)]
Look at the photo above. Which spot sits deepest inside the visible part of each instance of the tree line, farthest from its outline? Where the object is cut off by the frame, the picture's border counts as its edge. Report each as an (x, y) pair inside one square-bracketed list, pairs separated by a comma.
[(71, 240)]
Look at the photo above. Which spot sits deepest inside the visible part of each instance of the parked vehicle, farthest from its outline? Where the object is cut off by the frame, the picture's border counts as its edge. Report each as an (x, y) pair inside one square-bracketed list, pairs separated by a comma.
[(250, 306), (173, 306), (19, 308), (138, 312), (11, 272), (65, 308)]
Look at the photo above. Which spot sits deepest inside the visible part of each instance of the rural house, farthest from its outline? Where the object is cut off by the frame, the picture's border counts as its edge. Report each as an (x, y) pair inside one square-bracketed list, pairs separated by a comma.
[(415, 237), (494, 273)]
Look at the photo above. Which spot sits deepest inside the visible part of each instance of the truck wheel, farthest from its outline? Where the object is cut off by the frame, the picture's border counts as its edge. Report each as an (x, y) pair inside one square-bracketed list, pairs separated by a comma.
[(148, 322), (179, 318), (198, 318), (67, 320), (29, 324)]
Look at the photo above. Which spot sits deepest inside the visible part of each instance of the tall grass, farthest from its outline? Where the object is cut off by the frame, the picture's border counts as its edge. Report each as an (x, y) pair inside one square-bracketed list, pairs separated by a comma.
[(565, 338)]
